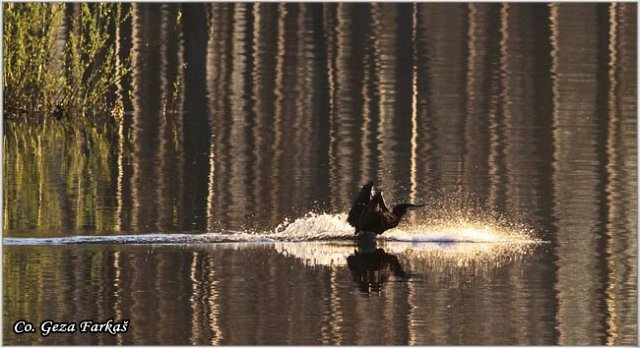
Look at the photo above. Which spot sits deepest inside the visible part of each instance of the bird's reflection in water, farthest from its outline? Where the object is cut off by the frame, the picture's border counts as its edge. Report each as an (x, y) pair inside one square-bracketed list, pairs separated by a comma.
[(371, 267)]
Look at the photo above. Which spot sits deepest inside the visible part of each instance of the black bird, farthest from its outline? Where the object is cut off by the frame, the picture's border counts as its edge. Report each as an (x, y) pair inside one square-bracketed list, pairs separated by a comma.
[(370, 213)]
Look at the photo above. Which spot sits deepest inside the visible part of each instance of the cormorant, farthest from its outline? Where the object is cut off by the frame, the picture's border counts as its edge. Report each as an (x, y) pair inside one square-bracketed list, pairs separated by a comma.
[(370, 213)]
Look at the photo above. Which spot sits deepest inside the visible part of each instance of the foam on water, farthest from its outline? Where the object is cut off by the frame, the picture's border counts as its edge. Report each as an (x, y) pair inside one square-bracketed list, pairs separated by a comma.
[(312, 227)]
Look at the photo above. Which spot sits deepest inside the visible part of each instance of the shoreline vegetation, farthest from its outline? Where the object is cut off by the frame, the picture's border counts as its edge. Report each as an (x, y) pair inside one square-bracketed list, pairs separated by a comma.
[(66, 60), (68, 87), (62, 73)]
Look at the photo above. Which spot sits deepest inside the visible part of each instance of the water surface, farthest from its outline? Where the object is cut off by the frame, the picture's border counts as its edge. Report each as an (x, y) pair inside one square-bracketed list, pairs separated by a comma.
[(213, 211)]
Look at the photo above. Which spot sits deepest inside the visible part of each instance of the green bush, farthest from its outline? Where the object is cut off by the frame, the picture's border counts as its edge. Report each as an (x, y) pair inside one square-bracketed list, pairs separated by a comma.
[(60, 59)]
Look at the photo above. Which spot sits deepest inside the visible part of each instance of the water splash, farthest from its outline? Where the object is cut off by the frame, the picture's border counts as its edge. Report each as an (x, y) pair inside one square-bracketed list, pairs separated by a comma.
[(460, 232), (315, 227), (477, 247)]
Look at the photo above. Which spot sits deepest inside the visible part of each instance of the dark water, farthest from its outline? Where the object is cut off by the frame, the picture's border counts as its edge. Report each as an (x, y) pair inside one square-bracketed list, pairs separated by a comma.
[(213, 211)]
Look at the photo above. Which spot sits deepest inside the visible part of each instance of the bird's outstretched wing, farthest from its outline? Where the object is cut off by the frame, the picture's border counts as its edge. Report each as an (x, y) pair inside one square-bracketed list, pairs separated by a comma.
[(360, 203)]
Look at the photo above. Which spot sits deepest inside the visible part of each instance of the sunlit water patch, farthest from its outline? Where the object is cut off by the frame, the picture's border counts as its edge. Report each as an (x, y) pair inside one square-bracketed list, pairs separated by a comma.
[(451, 263), (318, 253), (460, 254)]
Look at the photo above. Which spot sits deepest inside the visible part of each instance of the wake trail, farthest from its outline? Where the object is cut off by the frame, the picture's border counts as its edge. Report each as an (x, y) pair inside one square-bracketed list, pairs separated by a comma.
[(312, 227)]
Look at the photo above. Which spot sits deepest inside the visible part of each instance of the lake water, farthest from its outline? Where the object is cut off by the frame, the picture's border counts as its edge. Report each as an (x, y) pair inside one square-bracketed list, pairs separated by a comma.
[(213, 211)]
